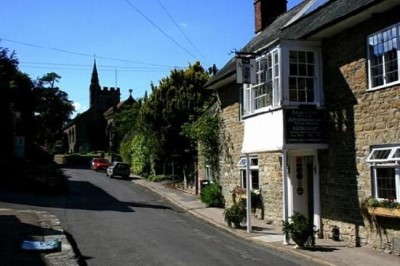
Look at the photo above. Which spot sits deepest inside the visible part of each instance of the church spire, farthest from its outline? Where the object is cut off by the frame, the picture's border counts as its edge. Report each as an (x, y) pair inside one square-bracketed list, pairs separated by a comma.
[(95, 76), (94, 84)]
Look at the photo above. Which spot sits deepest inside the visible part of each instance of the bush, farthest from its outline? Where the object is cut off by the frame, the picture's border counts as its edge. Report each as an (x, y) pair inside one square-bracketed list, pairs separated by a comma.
[(158, 178), (211, 195)]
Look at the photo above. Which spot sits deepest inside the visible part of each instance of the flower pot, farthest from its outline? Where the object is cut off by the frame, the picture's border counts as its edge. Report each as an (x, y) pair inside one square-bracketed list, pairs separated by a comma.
[(385, 212), (300, 238)]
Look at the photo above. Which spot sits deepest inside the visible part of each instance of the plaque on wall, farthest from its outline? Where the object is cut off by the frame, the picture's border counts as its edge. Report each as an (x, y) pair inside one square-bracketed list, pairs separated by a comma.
[(305, 126)]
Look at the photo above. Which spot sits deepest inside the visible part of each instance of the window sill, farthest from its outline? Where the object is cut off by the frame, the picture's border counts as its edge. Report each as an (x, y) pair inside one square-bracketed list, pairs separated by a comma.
[(385, 86)]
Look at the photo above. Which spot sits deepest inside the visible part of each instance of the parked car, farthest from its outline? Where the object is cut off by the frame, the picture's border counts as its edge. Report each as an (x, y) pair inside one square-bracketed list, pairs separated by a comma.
[(99, 164), (119, 169)]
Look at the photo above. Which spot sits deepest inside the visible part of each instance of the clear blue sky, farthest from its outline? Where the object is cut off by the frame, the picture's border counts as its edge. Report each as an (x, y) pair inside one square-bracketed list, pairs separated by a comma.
[(135, 42)]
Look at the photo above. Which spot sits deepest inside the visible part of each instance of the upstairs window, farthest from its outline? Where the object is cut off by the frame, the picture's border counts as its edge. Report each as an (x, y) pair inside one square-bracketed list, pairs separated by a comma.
[(301, 77), (263, 94), (288, 74), (383, 57)]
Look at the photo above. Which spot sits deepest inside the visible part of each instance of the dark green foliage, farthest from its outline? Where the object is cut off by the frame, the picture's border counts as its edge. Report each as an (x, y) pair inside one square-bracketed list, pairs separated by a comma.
[(15, 97), (53, 110), (235, 214), (178, 99), (205, 131), (299, 229), (212, 196), (386, 203), (158, 178)]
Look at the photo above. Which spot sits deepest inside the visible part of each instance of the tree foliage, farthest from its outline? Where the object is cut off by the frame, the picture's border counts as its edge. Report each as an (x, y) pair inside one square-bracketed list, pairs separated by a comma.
[(34, 109), (52, 110), (178, 99), (205, 131), (13, 86)]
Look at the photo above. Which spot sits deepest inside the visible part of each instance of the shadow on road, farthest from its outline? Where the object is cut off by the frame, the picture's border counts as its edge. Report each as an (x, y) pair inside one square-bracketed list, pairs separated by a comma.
[(12, 234), (82, 195)]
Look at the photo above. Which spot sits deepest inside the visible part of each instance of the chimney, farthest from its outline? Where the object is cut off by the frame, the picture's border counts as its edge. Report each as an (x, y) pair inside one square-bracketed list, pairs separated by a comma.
[(266, 11)]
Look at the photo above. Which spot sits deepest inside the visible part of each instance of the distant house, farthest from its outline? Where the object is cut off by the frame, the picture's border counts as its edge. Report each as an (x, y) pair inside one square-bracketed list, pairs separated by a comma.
[(319, 129), (87, 131)]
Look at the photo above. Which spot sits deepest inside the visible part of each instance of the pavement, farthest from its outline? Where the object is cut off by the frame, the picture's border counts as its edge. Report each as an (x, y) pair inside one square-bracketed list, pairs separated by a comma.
[(19, 225)]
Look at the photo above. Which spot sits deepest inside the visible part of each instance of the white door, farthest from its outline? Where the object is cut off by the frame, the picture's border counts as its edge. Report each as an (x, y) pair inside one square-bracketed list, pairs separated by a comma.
[(303, 186), (299, 185)]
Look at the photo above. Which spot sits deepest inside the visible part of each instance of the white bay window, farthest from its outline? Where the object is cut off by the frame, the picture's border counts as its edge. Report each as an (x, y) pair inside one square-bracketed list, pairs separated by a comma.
[(286, 75)]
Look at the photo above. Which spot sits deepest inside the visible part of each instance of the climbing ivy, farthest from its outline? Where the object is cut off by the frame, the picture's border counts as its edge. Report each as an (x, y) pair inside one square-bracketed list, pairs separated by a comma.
[(205, 131)]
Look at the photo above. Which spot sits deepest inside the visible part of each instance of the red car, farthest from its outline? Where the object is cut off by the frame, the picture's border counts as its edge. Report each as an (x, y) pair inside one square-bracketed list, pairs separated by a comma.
[(100, 164)]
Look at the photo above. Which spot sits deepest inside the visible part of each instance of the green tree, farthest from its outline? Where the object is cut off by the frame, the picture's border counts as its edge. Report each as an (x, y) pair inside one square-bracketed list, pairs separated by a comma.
[(16, 107), (178, 99), (53, 110), (124, 129)]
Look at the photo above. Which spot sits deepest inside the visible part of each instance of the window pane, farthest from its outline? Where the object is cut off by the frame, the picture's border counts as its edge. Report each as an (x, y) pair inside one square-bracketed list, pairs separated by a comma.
[(254, 179), (262, 93), (243, 177), (292, 56), (310, 57), (385, 178), (302, 69), (302, 76), (301, 57), (293, 70)]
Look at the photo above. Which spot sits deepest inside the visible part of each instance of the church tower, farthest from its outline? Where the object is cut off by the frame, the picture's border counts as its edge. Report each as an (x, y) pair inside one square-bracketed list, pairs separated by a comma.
[(101, 98), (94, 88)]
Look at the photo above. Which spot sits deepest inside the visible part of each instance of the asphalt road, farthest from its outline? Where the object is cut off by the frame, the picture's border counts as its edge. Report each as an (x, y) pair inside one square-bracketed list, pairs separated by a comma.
[(116, 222)]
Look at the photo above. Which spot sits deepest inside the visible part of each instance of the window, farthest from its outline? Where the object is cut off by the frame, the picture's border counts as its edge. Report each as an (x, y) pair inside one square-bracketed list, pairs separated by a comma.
[(383, 57), (264, 93), (288, 74), (385, 172), (253, 172), (301, 76)]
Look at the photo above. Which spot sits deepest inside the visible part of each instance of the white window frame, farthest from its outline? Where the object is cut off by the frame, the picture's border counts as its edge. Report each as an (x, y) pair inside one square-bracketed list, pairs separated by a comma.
[(315, 76), (266, 75), (242, 164), (281, 74), (385, 157), (382, 42)]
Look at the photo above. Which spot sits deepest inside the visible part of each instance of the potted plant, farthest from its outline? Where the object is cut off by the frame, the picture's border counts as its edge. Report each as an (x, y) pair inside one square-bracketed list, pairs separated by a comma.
[(235, 214), (298, 229)]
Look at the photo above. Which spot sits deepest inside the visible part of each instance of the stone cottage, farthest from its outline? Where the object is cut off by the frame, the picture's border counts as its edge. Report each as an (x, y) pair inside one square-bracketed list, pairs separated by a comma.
[(316, 124)]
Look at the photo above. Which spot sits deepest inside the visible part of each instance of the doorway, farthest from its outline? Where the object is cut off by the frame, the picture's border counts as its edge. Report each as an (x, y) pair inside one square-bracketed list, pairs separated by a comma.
[(303, 189)]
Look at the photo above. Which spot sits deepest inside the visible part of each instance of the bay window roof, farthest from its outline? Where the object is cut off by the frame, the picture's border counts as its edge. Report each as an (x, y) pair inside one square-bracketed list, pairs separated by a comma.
[(384, 155)]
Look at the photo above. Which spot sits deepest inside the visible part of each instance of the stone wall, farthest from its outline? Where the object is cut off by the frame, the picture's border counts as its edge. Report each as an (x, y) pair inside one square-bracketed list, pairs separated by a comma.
[(270, 174), (358, 118), (232, 130)]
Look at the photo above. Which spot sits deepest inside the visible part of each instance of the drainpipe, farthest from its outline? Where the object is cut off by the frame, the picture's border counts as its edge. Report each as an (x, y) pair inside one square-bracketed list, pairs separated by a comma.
[(285, 193)]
